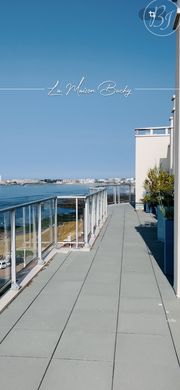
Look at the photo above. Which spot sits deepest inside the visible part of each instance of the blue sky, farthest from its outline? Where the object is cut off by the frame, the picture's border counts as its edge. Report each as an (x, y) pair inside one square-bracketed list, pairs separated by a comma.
[(88, 135)]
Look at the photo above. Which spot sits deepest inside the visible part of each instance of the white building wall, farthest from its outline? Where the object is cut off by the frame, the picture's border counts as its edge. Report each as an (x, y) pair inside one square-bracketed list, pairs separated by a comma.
[(151, 150)]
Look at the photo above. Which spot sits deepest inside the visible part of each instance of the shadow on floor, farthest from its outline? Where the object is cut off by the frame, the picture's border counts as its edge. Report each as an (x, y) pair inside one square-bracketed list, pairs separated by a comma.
[(149, 235)]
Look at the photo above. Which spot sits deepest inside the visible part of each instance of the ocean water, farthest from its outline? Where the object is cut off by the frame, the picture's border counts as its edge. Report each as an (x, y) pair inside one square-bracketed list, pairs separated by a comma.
[(12, 195)]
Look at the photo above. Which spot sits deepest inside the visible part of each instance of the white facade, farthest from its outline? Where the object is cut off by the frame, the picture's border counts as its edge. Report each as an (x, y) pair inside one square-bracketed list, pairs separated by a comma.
[(152, 148)]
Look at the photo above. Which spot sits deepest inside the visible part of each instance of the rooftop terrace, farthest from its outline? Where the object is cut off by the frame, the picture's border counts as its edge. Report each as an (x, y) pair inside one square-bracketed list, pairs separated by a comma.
[(106, 319)]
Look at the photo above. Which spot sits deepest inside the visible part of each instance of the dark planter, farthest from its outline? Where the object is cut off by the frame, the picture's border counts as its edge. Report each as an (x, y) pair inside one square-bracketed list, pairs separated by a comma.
[(160, 224), (149, 208), (153, 210), (169, 247), (146, 208)]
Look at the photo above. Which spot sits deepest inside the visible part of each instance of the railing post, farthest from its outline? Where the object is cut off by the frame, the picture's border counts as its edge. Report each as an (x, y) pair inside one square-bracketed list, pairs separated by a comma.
[(34, 230), (14, 285), (6, 249), (51, 221), (101, 199), (55, 221), (97, 211), (114, 194), (29, 212), (119, 194), (106, 203), (130, 193), (24, 233), (40, 260), (86, 241), (92, 216), (77, 227), (99, 208), (102, 206)]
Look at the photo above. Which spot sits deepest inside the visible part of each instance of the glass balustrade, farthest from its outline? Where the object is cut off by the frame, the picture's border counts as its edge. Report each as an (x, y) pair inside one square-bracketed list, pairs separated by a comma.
[(27, 231), (5, 249)]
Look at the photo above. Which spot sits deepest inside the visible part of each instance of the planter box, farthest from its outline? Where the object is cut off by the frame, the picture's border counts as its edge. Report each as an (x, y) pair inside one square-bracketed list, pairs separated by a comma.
[(169, 247), (160, 225), (146, 208)]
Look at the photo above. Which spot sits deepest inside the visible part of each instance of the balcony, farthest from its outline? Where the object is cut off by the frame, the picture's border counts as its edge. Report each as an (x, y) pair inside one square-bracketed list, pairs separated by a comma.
[(106, 319), (153, 131)]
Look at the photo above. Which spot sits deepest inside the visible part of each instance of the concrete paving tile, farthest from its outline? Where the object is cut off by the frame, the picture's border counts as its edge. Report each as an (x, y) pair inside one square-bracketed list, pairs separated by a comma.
[(10, 315), (103, 277), (139, 285), (105, 252), (63, 287), (136, 265), (71, 276), (107, 266), (80, 375), (175, 329), (134, 242), (165, 287), (19, 373), (93, 302), (75, 265), (173, 308), (85, 345), (96, 288), (64, 303), (29, 343), (93, 321), (141, 323), (77, 256), (3, 332), (79, 262), (141, 306), (146, 363), (44, 319)]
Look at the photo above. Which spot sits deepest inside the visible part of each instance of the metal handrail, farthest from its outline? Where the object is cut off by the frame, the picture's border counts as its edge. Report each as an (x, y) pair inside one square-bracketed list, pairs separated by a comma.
[(152, 128), (81, 196), (11, 208)]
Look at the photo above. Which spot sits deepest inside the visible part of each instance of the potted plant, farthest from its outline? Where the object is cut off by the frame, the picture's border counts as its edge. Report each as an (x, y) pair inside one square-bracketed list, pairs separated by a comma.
[(159, 186), (151, 185)]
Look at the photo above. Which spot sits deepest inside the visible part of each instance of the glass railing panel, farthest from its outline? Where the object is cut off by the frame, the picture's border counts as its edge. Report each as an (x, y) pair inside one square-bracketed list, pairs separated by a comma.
[(66, 221), (26, 236), (5, 249), (81, 205), (47, 223), (90, 217), (159, 131), (143, 132)]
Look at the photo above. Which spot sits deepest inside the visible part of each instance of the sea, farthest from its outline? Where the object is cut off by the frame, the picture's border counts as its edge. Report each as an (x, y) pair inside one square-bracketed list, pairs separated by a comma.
[(12, 195)]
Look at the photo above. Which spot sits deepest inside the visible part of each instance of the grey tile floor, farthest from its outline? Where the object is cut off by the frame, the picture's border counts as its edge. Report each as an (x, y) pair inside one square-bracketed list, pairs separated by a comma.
[(103, 320)]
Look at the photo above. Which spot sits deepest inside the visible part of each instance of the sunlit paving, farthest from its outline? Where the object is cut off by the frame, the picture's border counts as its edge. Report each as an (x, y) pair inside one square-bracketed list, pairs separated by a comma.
[(102, 319)]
